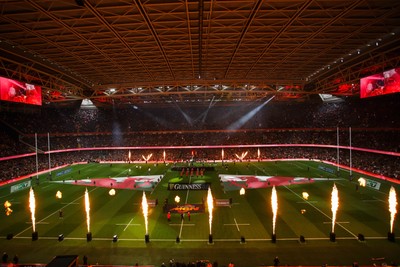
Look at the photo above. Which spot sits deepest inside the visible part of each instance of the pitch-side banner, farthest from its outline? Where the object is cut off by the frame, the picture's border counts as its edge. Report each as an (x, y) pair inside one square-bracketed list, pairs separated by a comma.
[(373, 184), (186, 186), (20, 186)]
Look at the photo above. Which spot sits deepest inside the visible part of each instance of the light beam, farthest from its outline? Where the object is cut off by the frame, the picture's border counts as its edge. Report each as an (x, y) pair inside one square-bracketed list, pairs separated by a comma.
[(238, 124)]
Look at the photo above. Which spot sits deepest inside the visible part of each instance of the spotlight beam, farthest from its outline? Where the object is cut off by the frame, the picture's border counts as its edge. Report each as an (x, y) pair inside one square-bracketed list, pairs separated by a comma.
[(185, 116), (236, 125)]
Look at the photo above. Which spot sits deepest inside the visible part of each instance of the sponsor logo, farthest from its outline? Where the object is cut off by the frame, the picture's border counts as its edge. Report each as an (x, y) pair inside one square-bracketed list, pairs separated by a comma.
[(183, 186)]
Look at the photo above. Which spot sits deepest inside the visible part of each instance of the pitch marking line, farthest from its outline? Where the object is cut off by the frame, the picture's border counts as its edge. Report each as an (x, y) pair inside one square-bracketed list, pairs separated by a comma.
[(236, 224), (51, 214), (344, 228), (201, 240), (187, 196), (128, 224), (377, 199)]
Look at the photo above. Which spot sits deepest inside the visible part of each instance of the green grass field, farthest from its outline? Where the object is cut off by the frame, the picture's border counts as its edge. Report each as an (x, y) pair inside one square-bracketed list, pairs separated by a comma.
[(364, 211)]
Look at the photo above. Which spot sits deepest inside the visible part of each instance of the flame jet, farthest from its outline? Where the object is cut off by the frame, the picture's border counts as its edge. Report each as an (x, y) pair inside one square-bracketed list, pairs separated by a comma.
[(392, 206), (87, 209), (32, 207), (274, 204), (335, 205), (145, 208), (210, 205)]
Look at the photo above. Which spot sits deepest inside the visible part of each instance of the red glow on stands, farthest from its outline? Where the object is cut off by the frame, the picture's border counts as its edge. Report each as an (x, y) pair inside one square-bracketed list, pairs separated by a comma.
[(18, 156), (215, 146)]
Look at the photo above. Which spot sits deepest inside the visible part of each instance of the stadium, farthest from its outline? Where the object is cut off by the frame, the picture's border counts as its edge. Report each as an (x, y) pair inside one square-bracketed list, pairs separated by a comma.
[(241, 133)]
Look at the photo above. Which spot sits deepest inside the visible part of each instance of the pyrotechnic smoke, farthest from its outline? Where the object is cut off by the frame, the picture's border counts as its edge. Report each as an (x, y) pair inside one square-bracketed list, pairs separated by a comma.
[(87, 209), (274, 204), (335, 205), (145, 208), (32, 207), (392, 206), (210, 204)]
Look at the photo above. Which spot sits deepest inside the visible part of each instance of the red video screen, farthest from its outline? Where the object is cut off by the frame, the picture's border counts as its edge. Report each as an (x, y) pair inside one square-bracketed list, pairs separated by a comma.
[(387, 82), (16, 91)]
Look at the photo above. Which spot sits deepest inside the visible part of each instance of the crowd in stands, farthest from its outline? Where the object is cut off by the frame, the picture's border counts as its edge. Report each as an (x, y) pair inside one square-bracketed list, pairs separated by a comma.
[(374, 125)]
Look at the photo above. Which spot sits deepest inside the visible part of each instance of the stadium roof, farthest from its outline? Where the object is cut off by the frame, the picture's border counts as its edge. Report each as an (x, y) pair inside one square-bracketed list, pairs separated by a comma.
[(153, 51)]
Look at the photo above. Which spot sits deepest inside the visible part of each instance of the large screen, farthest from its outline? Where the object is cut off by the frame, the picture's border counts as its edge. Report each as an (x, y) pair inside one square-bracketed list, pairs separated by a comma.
[(387, 82), (16, 91)]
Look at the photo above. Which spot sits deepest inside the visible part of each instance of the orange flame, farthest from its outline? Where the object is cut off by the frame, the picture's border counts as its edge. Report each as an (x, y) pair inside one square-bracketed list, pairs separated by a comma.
[(7, 206)]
